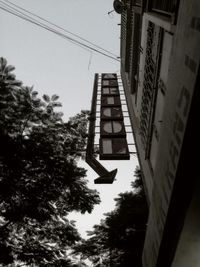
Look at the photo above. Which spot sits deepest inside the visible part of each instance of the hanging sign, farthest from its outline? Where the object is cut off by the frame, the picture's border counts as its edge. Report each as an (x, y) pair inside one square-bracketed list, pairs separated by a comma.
[(105, 176), (113, 144)]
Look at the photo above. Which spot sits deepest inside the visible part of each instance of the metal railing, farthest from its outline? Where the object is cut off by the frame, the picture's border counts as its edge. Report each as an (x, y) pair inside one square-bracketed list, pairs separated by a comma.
[(135, 51), (150, 84), (147, 97)]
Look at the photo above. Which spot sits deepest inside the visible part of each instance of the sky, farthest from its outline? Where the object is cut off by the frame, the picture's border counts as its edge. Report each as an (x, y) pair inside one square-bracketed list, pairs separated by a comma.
[(54, 65)]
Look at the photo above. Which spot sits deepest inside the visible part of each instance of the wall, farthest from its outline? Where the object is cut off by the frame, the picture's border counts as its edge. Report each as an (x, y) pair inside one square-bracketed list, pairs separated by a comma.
[(180, 84), (188, 250)]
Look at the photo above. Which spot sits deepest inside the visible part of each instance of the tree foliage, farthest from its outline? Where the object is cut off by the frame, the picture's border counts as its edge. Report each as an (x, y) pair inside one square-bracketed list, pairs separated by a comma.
[(40, 182), (118, 239)]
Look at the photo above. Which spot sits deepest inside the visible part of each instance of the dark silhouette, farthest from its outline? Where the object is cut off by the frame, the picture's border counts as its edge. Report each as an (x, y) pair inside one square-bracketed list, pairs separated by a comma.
[(40, 182)]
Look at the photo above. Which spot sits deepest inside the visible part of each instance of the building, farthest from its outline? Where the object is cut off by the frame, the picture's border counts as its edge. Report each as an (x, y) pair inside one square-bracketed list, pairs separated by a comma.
[(160, 53)]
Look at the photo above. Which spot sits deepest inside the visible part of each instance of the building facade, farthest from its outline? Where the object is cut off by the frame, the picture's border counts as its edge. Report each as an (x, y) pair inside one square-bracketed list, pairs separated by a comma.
[(160, 55)]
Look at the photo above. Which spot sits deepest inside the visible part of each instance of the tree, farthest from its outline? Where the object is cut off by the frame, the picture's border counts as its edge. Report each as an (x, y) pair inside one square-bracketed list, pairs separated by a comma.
[(40, 182), (118, 240)]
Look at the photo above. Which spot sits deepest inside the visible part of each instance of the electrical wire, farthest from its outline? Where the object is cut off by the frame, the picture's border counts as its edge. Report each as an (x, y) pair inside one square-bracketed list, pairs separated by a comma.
[(41, 25), (90, 60), (59, 27), (56, 32), (20, 14)]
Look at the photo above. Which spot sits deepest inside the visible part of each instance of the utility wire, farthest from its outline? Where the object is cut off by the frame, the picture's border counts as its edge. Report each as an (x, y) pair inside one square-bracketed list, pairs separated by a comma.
[(90, 60), (59, 27), (45, 27), (25, 17)]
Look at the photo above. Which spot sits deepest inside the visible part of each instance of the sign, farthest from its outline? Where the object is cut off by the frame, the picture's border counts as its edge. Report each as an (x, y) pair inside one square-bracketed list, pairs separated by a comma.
[(112, 143), (105, 176)]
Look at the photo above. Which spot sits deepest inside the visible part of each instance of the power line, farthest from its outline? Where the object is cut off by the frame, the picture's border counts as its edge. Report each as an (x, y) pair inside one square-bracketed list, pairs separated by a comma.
[(26, 17), (61, 28), (31, 20)]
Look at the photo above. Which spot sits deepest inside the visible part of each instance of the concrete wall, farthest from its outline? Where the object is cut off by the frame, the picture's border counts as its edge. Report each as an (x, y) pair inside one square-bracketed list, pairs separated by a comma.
[(188, 250), (160, 101), (179, 69), (180, 82)]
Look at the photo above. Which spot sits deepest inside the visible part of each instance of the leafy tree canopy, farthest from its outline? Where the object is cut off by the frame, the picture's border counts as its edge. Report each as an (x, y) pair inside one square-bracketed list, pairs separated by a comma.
[(118, 239), (40, 182)]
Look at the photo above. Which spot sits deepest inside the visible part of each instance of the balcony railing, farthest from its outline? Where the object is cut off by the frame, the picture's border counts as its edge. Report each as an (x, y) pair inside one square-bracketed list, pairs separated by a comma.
[(135, 51), (150, 86)]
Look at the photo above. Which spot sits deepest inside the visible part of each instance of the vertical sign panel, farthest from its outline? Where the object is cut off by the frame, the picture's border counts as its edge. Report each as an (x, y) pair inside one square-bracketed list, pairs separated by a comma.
[(113, 143)]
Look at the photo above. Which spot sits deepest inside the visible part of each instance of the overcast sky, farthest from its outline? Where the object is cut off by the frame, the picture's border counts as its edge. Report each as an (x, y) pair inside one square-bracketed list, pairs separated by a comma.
[(55, 66)]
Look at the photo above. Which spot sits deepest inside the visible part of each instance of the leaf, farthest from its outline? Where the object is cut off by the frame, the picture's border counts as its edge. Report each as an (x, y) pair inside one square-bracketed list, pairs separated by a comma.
[(59, 115), (3, 62), (15, 83), (46, 98), (37, 103), (40, 182), (10, 68), (34, 93), (54, 97), (11, 76), (56, 104), (49, 109)]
